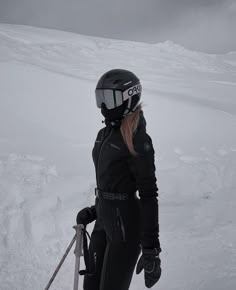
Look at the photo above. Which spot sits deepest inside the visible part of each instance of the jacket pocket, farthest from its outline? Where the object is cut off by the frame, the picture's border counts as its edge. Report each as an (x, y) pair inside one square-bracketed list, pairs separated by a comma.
[(120, 224), (114, 146)]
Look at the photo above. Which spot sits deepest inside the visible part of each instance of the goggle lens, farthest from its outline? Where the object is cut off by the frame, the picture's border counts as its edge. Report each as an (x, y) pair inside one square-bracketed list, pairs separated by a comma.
[(115, 98)]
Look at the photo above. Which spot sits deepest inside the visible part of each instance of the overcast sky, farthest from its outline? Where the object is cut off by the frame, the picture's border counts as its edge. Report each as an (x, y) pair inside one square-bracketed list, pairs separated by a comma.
[(206, 25)]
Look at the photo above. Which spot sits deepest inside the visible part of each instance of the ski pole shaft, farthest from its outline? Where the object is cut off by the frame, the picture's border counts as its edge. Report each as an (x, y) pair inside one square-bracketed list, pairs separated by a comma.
[(61, 262), (78, 253)]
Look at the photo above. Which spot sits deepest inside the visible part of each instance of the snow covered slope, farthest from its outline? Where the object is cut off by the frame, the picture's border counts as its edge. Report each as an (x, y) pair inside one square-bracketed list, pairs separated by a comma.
[(48, 124)]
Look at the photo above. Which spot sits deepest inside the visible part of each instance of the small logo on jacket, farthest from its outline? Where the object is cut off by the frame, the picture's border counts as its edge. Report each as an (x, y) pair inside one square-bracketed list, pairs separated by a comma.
[(147, 146)]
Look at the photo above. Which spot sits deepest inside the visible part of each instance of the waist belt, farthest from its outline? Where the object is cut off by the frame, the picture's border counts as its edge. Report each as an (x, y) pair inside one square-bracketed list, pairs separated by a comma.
[(114, 196)]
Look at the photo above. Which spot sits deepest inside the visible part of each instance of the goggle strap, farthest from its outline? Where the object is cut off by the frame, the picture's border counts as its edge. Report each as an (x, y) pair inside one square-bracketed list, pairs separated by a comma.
[(135, 107), (132, 91), (128, 107), (130, 111)]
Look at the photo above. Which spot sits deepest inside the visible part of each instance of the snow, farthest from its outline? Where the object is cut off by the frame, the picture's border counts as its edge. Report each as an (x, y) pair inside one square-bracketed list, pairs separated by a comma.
[(48, 124)]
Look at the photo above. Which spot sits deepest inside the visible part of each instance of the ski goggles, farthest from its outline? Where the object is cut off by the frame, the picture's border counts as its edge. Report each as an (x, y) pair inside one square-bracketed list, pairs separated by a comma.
[(113, 97)]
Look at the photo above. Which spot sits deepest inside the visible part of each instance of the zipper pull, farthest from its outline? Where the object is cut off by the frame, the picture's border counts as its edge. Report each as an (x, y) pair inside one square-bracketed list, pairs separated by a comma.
[(120, 224), (117, 217)]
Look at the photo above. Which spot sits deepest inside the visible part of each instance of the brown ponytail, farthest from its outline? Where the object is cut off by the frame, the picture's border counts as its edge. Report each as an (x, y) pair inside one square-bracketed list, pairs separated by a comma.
[(128, 126)]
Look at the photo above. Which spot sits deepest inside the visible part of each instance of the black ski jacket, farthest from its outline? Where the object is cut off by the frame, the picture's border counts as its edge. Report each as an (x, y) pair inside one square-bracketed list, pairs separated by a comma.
[(119, 171)]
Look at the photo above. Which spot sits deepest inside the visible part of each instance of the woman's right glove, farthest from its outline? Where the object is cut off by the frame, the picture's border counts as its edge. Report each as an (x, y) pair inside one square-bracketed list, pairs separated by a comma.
[(86, 215), (151, 263)]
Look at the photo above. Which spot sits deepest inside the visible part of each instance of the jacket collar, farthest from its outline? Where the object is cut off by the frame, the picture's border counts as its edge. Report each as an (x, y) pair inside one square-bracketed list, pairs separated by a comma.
[(117, 123), (142, 120)]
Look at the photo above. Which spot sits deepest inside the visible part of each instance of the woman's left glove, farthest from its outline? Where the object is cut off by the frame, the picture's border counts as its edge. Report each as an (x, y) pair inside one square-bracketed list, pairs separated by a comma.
[(151, 263), (86, 215)]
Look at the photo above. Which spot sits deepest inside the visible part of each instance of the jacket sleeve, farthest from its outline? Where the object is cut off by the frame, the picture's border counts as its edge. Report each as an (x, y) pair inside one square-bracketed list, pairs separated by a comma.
[(143, 168), (93, 212), (94, 208)]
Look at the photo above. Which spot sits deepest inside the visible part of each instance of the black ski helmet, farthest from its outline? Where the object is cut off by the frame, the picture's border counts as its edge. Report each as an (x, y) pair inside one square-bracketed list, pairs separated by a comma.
[(118, 93)]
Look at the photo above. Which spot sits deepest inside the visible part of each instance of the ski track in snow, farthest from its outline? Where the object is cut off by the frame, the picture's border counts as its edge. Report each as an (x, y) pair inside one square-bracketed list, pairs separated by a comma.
[(41, 193)]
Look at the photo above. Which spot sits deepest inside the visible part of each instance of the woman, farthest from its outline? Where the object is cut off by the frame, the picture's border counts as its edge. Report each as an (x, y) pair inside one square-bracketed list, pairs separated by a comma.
[(123, 156)]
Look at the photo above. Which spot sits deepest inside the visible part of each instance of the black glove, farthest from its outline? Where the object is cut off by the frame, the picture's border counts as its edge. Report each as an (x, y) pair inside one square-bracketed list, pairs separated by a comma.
[(86, 215), (151, 263)]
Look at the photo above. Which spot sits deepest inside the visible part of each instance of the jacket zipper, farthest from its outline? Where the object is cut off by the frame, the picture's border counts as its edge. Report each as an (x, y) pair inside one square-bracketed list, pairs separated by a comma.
[(104, 141), (120, 223)]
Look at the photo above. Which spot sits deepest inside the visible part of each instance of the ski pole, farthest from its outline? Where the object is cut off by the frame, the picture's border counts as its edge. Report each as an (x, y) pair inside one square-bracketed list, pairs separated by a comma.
[(78, 230), (78, 253), (61, 262)]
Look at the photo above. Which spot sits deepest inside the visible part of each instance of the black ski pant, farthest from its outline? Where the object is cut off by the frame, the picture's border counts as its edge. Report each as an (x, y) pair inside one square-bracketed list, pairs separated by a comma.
[(115, 239)]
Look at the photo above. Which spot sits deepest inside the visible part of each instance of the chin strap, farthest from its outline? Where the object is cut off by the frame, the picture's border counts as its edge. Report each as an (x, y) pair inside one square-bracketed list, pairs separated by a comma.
[(113, 123)]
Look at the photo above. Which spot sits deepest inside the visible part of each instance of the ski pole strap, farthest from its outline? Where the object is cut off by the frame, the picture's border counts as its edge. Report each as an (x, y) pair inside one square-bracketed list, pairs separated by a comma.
[(89, 256)]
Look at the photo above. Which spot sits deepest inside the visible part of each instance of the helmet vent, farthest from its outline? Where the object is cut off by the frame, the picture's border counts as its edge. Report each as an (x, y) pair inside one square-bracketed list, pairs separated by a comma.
[(117, 81), (127, 83)]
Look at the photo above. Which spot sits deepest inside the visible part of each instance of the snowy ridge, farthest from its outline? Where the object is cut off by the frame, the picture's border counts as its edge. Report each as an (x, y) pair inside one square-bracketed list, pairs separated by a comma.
[(79, 51)]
